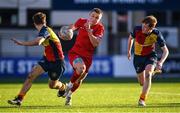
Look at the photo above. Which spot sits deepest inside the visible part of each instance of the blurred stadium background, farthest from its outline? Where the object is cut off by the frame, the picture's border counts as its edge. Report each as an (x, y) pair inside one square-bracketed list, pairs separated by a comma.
[(120, 16)]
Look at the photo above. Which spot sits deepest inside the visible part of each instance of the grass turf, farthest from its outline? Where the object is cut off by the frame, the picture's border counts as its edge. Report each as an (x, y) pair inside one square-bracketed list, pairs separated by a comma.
[(93, 97)]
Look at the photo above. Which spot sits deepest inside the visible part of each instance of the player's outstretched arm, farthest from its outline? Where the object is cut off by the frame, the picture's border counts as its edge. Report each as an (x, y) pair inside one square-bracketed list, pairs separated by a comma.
[(35, 42), (130, 43), (17, 41), (72, 26)]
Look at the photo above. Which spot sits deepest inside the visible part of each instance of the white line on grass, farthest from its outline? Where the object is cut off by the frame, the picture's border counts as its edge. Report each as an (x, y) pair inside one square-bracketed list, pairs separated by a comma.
[(89, 112), (164, 93)]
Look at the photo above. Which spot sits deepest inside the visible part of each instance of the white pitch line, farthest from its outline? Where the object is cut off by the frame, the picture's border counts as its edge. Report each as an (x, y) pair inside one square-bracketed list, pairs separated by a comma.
[(164, 93), (90, 112)]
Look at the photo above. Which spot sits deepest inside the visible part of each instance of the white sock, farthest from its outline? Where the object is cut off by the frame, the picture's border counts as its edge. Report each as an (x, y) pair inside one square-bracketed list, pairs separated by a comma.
[(69, 94), (70, 85)]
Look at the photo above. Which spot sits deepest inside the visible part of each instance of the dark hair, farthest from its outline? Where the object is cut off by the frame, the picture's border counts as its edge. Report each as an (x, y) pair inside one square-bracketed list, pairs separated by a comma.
[(150, 20), (97, 10), (39, 18)]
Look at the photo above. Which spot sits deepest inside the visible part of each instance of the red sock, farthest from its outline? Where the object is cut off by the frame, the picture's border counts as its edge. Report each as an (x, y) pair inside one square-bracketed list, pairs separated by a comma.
[(74, 77), (143, 97), (21, 96), (75, 86)]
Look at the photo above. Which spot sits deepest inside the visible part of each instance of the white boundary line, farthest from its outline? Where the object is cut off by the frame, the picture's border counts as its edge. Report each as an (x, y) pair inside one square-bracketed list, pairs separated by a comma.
[(90, 112), (164, 93)]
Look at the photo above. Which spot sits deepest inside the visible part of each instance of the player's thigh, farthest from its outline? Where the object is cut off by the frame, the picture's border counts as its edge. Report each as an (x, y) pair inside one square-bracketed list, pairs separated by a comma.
[(151, 63), (37, 70), (149, 69), (56, 70), (139, 64)]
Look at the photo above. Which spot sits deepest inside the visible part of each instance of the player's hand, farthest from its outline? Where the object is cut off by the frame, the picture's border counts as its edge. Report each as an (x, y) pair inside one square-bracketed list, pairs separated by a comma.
[(17, 41), (87, 26), (129, 56)]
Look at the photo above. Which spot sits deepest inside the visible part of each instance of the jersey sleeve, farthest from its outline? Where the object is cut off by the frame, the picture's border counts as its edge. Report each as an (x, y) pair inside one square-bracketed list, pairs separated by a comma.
[(99, 32), (44, 33), (78, 23), (160, 40), (133, 33)]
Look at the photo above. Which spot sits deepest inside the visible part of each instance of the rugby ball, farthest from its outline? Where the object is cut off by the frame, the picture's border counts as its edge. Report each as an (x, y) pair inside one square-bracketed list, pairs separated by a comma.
[(67, 34)]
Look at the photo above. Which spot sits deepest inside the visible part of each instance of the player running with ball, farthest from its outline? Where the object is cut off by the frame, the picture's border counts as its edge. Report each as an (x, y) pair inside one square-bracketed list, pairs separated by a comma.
[(90, 33)]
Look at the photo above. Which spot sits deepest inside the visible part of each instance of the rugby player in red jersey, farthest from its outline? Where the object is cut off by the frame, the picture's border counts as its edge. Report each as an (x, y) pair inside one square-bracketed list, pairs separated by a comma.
[(52, 61), (90, 34), (145, 57)]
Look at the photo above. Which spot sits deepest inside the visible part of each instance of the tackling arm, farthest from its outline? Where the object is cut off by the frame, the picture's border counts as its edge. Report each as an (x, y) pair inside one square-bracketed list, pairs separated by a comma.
[(130, 43), (35, 42)]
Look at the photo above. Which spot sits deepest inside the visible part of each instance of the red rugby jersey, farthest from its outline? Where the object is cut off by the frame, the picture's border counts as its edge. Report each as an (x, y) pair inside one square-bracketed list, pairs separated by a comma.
[(83, 46)]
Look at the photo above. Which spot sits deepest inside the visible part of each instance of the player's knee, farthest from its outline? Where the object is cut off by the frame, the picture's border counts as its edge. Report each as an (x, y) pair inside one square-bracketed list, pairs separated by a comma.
[(149, 70), (80, 69), (52, 85), (148, 74)]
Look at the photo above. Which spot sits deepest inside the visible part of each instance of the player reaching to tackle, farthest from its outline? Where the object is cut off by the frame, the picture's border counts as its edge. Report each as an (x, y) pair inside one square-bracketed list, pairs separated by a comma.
[(52, 62), (90, 33), (145, 58)]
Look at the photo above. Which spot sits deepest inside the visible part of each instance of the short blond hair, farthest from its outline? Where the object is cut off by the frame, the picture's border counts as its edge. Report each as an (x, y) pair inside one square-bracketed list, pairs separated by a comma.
[(97, 10), (150, 20)]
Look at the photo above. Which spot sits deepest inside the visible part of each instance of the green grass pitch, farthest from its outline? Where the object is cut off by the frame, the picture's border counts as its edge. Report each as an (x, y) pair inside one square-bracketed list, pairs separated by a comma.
[(94, 97)]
